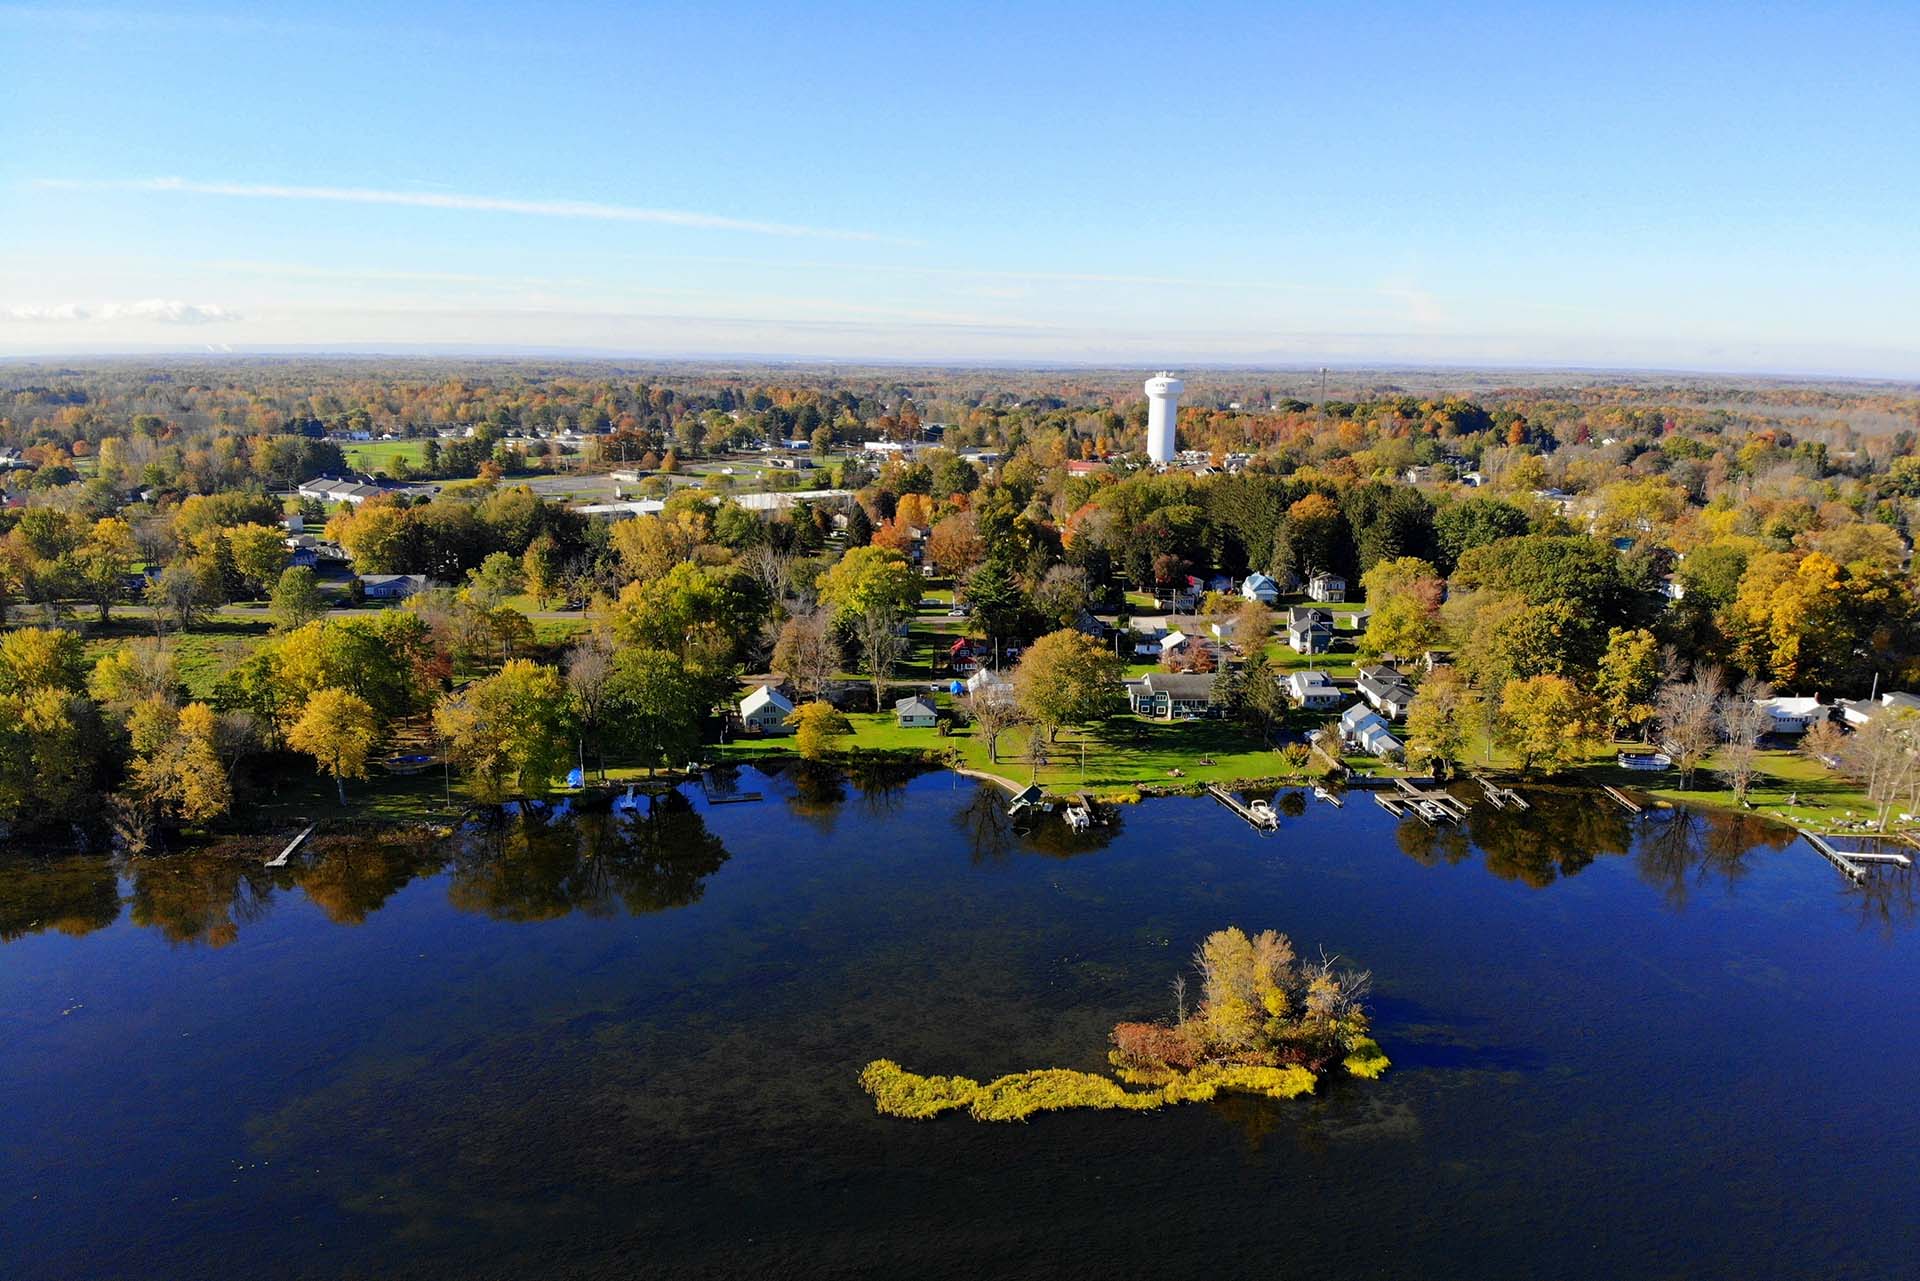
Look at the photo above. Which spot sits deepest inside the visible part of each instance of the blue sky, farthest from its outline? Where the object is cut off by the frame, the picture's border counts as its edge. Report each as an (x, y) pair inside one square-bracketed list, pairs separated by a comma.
[(1729, 187)]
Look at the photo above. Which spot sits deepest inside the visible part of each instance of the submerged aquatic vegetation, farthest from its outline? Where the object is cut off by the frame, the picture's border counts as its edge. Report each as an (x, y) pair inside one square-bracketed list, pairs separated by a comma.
[(901, 1093)]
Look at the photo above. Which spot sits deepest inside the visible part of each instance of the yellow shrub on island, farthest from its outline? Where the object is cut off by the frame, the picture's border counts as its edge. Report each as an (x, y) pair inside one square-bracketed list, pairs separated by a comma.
[(1367, 1060)]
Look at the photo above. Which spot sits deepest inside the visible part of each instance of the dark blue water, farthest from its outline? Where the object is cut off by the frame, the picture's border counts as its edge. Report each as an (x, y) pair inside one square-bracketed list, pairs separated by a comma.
[(1681, 1046)]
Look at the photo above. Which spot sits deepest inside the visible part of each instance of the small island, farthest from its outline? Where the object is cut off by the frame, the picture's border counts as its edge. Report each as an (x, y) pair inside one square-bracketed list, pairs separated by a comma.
[(1266, 1023)]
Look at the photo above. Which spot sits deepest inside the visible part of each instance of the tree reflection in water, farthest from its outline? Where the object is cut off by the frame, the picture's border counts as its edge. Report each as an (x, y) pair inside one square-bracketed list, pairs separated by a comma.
[(72, 895), (1682, 849), (527, 869), (992, 835), (350, 878), (1560, 835), (203, 897)]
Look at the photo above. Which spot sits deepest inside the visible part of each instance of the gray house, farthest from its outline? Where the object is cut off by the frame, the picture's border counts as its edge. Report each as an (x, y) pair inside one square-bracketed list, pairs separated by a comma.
[(1309, 630), (915, 712), (1172, 695)]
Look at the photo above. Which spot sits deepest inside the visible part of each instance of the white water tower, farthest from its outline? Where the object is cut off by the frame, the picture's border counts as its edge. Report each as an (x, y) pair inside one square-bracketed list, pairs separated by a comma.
[(1163, 406)]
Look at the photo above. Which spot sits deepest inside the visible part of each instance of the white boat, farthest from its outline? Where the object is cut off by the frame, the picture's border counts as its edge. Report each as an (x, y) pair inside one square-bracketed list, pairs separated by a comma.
[(1322, 794), (1078, 819), (1263, 814)]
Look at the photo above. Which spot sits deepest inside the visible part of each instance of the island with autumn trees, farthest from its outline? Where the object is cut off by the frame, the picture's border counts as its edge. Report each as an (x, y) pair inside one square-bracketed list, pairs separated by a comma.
[(249, 593), (1265, 1023)]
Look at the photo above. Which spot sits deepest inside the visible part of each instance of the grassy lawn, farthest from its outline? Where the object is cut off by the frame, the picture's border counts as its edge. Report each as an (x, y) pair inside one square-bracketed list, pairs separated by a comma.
[(1788, 786), (378, 455), (202, 656), (1125, 753)]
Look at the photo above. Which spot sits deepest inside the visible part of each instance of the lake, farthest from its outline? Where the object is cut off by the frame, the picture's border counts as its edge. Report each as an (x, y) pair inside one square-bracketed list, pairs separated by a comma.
[(1675, 1046)]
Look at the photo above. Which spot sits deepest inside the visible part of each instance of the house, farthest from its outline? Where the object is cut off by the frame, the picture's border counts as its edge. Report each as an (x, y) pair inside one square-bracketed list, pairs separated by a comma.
[(1172, 695), (964, 655), (1328, 589), (1858, 711), (1434, 659), (393, 586), (990, 686), (915, 712), (303, 557), (1146, 640), (765, 711), (1313, 690), (1179, 649), (1386, 690), (1673, 588), (1309, 630), (326, 489), (1259, 587), (1364, 728), (1358, 620), (1793, 715)]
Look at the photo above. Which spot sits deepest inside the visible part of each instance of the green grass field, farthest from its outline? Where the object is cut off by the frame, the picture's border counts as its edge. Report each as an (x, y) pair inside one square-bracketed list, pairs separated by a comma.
[(378, 455)]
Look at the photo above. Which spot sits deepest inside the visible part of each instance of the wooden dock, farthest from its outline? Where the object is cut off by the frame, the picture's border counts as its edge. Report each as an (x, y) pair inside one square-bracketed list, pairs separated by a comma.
[(1264, 818), (280, 859), (1431, 804), (1625, 801), (1499, 797), (1854, 862)]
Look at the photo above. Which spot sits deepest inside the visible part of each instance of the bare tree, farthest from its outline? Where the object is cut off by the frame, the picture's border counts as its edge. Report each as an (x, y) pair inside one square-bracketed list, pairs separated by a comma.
[(1689, 714), (772, 570), (993, 712), (589, 668), (882, 645), (808, 653), (1743, 720)]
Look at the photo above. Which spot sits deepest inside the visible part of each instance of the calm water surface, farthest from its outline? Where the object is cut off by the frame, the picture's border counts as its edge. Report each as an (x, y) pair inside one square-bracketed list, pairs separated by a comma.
[(1676, 1047)]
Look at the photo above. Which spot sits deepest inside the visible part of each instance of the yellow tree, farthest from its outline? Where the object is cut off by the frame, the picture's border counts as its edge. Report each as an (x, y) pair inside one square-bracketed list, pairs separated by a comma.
[(816, 725), (338, 729), (1066, 678), (106, 558), (1440, 722), (176, 767), (259, 554), (1548, 722)]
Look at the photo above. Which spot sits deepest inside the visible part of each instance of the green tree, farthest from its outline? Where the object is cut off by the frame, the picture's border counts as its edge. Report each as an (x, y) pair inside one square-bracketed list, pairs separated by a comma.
[(259, 554), (871, 578), (1441, 721), (654, 706), (513, 723), (1066, 678), (1628, 678), (338, 729), (497, 578), (296, 598)]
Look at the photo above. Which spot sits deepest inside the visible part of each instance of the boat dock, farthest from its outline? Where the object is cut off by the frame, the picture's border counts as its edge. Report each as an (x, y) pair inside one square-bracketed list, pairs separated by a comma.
[(1259, 815), (1622, 797), (1854, 863), (1501, 797), (1430, 802), (280, 859)]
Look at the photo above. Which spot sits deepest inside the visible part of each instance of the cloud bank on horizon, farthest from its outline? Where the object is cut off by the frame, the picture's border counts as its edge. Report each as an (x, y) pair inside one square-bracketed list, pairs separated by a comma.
[(976, 194)]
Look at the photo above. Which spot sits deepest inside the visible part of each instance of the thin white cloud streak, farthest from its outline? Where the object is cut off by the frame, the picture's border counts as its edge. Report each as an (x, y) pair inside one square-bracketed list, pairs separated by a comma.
[(166, 311), (577, 209)]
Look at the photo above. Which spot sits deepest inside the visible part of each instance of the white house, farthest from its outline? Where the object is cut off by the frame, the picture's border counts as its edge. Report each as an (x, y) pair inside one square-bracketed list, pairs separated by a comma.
[(1793, 715), (1386, 690), (1364, 728), (1313, 690), (915, 712), (1328, 589), (1309, 630), (765, 711), (392, 586), (325, 489), (990, 686), (1261, 588)]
